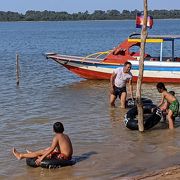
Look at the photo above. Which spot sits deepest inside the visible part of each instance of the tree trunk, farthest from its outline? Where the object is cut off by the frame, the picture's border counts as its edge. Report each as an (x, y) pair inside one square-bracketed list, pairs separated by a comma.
[(141, 70)]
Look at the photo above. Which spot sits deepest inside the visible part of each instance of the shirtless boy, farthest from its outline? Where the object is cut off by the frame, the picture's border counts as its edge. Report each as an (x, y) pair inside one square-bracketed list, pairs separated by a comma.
[(165, 106), (61, 147), (174, 104)]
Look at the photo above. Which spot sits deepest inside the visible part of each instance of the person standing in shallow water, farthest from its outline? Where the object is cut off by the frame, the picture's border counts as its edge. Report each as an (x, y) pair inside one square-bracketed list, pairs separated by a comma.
[(165, 106), (173, 109), (61, 147), (119, 78)]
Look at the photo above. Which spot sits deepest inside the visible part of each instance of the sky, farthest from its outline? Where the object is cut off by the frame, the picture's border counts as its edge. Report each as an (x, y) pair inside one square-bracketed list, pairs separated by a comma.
[(74, 6)]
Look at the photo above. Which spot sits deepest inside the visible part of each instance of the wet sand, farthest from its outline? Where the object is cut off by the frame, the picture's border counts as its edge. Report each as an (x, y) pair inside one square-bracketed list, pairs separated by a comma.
[(171, 173)]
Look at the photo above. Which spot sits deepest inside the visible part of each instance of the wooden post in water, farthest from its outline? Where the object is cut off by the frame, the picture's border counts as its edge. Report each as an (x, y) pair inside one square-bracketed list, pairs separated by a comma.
[(141, 70), (17, 69)]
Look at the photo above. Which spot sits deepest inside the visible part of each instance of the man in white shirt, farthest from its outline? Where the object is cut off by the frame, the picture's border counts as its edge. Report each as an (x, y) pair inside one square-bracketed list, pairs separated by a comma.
[(119, 78)]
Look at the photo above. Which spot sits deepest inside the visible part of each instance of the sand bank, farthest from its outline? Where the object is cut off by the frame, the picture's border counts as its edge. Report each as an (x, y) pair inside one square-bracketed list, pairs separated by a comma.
[(162, 174)]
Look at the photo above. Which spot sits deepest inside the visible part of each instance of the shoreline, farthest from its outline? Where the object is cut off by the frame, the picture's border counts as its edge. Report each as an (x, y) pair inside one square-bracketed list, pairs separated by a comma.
[(169, 173), (163, 19)]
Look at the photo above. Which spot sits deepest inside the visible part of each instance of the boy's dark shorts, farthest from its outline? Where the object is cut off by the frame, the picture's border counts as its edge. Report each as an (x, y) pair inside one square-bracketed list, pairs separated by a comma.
[(118, 91)]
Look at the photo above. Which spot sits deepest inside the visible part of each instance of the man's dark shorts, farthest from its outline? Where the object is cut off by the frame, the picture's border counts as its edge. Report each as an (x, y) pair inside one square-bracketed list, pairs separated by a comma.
[(118, 91)]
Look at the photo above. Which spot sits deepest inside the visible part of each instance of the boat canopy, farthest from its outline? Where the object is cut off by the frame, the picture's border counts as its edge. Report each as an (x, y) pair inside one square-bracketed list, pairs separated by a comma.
[(156, 39), (153, 38)]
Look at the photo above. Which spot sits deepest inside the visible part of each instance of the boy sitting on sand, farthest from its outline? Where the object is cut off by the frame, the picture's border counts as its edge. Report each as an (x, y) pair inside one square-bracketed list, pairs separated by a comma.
[(173, 109), (61, 147)]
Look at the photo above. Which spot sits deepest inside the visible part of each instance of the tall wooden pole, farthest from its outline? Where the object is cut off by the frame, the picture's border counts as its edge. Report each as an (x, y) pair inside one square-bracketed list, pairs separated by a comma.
[(17, 69), (141, 70)]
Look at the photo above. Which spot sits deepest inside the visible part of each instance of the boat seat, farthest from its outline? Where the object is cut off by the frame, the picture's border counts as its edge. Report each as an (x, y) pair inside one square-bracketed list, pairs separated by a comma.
[(119, 51), (177, 59)]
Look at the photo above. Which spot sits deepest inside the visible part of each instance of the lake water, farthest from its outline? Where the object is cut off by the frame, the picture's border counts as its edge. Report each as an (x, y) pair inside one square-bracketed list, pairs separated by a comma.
[(47, 93)]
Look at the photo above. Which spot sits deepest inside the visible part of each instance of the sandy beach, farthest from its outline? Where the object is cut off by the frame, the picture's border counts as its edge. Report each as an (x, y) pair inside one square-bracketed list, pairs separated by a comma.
[(162, 174)]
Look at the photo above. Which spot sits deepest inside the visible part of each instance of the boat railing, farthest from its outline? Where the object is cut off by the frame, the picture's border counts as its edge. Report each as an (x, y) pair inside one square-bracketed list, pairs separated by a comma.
[(164, 59), (92, 57), (97, 56)]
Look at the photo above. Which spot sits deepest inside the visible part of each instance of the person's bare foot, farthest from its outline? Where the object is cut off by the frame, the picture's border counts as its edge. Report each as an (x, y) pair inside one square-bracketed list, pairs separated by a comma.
[(112, 105), (122, 107), (16, 154)]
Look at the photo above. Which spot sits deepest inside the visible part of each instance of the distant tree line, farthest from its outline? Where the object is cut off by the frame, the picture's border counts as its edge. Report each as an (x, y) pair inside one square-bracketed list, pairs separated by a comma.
[(96, 15)]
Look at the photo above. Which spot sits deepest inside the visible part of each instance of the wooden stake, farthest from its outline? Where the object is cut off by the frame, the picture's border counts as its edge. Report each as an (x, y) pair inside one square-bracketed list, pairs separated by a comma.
[(141, 70), (17, 69)]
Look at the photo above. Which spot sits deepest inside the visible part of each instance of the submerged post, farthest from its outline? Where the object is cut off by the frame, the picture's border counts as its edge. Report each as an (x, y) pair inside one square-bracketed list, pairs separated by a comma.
[(17, 69)]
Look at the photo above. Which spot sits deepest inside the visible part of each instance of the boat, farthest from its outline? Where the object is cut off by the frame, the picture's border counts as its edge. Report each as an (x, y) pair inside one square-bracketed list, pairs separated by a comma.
[(100, 65)]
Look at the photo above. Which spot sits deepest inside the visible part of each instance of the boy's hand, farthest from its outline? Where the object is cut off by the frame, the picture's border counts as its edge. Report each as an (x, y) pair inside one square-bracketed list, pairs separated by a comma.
[(111, 89), (38, 161)]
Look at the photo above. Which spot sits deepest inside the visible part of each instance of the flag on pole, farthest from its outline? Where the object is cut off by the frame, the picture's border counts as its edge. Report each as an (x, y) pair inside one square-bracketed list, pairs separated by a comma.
[(149, 22), (139, 21)]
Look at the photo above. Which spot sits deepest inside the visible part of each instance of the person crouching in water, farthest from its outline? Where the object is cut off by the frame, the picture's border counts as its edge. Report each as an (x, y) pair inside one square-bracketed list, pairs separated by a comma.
[(119, 78), (61, 147), (173, 109), (165, 106)]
